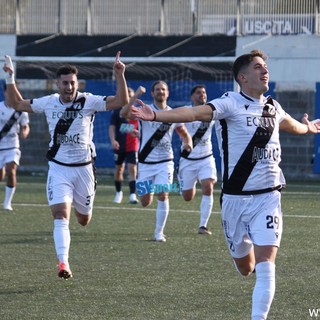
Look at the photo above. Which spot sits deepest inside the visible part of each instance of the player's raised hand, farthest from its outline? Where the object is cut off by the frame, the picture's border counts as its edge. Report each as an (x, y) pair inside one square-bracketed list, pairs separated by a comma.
[(8, 69), (118, 66), (126, 110), (144, 112), (313, 126)]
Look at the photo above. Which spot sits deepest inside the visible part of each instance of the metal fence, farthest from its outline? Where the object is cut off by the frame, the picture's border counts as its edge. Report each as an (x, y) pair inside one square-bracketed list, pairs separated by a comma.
[(167, 17)]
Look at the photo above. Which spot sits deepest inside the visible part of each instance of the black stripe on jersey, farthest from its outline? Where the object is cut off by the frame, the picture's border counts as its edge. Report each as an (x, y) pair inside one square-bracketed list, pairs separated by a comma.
[(153, 141), (246, 163), (196, 138), (11, 121), (64, 124), (225, 149)]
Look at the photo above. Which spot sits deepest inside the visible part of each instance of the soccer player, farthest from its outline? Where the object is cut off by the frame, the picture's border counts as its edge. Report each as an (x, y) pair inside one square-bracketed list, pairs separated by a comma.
[(247, 126), (12, 124), (70, 116), (199, 164), (155, 157), (123, 134)]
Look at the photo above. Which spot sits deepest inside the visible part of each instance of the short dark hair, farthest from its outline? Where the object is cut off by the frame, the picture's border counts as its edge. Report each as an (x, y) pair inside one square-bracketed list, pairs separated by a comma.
[(157, 82), (245, 59), (194, 88), (66, 69)]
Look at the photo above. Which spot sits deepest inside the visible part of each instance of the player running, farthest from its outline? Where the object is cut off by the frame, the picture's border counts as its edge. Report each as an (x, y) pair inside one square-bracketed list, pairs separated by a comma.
[(247, 126), (155, 157), (12, 123), (71, 176), (199, 164)]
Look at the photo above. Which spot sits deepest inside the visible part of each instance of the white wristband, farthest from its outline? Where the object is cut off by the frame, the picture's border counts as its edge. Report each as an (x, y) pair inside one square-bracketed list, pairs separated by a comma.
[(10, 79)]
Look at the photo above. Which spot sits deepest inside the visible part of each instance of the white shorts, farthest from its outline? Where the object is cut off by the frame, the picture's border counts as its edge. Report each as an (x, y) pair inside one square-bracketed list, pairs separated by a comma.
[(10, 155), (156, 174), (191, 171), (248, 220), (74, 185)]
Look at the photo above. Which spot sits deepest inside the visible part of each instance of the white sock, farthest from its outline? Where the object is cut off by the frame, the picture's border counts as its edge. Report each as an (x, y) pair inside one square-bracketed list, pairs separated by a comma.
[(264, 290), (9, 192), (62, 239), (205, 210), (162, 213)]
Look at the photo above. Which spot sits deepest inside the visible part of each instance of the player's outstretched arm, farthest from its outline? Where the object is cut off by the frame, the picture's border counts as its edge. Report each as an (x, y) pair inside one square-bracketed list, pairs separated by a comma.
[(15, 99), (313, 126), (182, 114), (293, 126), (121, 98)]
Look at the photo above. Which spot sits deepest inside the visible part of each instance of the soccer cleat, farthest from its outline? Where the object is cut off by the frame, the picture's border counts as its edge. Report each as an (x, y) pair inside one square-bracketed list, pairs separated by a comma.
[(133, 198), (118, 197), (64, 271), (204, 230), (160, 237), (7, 207)]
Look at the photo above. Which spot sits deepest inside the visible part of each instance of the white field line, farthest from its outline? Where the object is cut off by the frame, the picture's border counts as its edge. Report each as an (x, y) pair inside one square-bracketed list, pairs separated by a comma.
[(139, 208)]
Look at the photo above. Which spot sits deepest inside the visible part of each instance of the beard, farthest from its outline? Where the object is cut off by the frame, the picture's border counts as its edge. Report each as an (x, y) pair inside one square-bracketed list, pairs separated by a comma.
[(160, 99), (201, 102)]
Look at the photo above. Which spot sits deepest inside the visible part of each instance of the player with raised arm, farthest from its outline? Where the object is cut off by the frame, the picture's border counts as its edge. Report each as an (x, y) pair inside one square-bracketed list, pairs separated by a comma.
[(71, 176), (247, 126), (13, 126), (155, 156)]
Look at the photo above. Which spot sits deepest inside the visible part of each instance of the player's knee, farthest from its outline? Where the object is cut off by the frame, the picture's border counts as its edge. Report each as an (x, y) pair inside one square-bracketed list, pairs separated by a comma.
[(11, 175), (207, 190), (145, 202), (83, 220), (164, 196), (246, 270), (188, 195), (187, 198)]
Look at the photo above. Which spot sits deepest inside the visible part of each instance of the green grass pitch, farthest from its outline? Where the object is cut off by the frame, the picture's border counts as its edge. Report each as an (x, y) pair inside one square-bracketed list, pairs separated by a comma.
[(121, 274)]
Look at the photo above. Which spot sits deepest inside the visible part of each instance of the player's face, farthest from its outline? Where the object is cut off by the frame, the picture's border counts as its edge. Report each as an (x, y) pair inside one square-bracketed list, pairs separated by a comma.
[(160, 92), (256, 78), (199, 97), (67, 87)]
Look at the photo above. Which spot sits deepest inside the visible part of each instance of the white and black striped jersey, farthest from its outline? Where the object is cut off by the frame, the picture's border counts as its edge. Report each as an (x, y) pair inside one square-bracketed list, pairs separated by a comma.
[(10, 122), (70, 126), (155, 144), (248, 136), (201, 133)]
